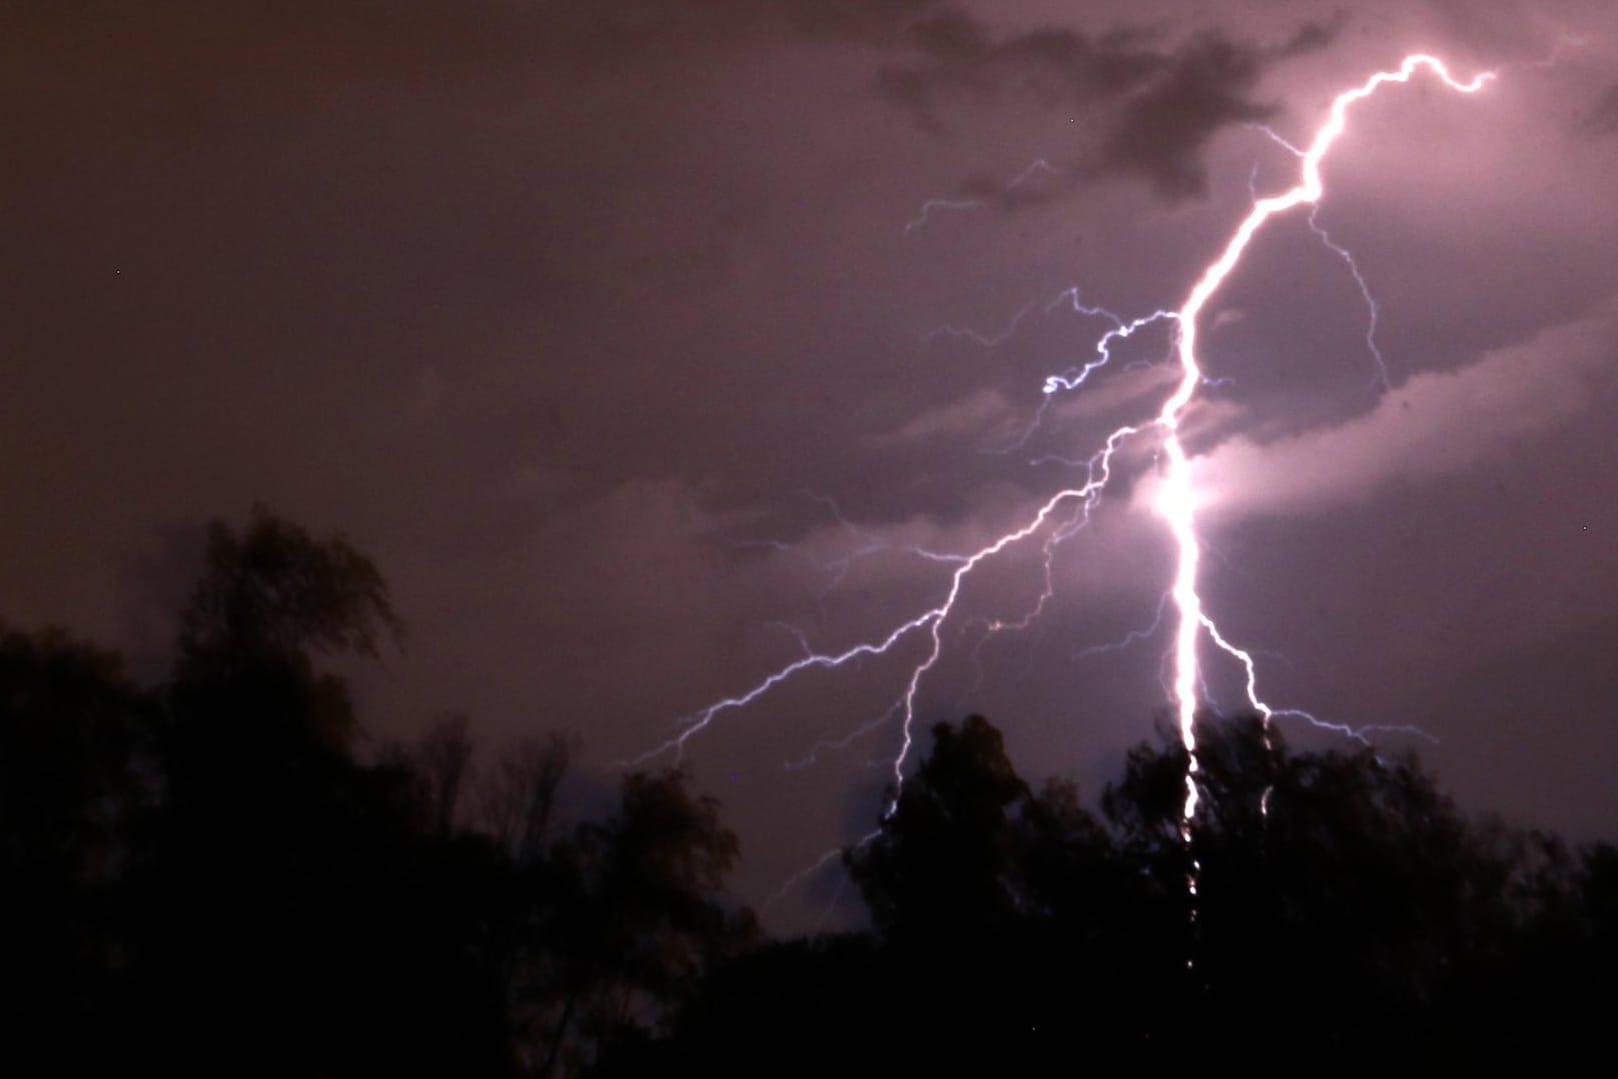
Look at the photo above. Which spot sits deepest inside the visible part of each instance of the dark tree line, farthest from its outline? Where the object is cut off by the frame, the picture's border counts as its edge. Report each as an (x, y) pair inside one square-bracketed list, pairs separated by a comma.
[(217, 874), (1348, 920), (209, 876)]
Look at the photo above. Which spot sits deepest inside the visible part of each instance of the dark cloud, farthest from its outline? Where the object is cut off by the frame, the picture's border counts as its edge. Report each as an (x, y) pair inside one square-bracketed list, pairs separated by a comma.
[(960, 63), (236, 67), (1602, 117), (1160, 105), (1161, 132)]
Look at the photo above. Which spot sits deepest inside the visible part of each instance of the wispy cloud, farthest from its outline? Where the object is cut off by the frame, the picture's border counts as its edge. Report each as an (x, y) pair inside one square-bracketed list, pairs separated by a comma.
[(1433, 425)]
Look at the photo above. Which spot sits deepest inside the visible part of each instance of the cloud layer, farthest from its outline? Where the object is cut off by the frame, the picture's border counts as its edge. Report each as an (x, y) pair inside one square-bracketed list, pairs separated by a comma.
[(1432, 425)]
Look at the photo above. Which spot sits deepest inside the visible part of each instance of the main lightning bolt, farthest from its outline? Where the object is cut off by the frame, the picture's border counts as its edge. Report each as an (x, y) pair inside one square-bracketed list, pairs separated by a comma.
[(1066, 512), (1176, 501)]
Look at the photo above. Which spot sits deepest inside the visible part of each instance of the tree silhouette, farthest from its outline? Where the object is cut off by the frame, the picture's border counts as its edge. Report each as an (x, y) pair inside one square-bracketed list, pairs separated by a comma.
[(441, 768), (275, 591), (941, 865), (1347, 916), (287, 900), (74, 788), (1006, 915), (210, 875), (518, 799), (641, 921), (1342, 891)]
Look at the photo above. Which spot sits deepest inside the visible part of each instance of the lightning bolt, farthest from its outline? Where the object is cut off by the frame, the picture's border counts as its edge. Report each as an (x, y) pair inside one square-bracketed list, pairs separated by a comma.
[(1176, 501), (930, 622), (1068, 511)]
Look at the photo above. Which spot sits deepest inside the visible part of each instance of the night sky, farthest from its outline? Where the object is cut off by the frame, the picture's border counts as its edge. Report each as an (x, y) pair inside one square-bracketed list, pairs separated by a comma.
[(639, 342)]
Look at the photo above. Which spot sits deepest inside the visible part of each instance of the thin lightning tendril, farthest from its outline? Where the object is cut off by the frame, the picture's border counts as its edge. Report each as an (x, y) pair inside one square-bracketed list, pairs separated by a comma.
[(987, 340), (1372, 313), (932, 206), (832, 744), (1121, 331), (1134, 636)]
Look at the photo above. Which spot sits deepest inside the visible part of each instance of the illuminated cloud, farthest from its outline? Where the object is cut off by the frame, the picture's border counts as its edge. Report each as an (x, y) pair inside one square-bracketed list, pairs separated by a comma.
[(1433, 425), (984, 412)]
